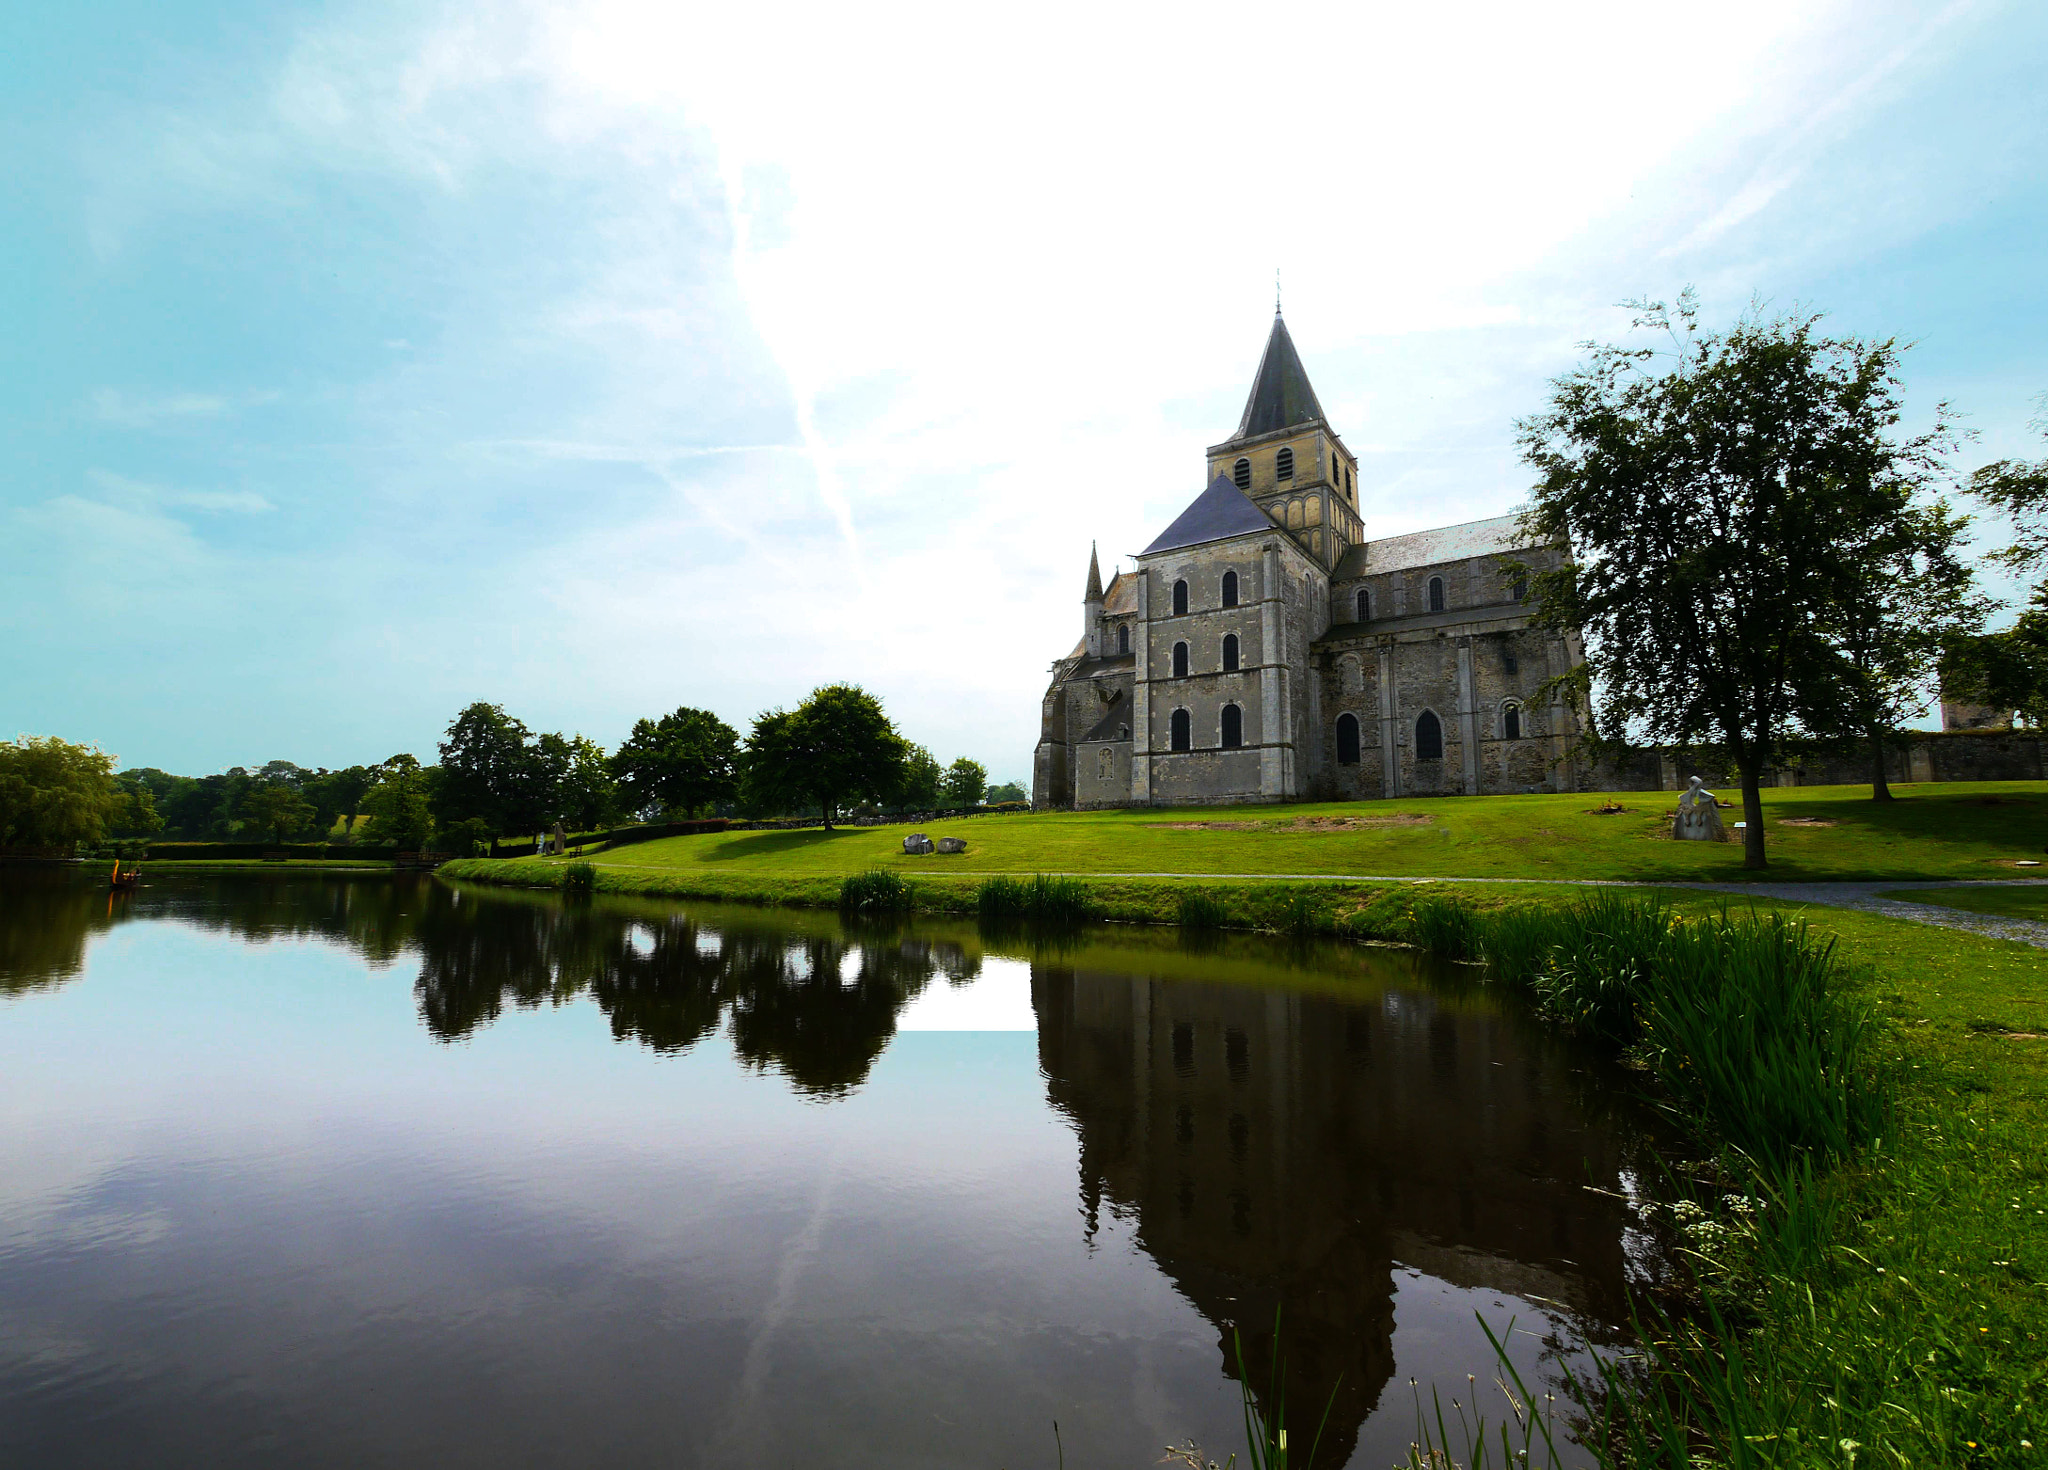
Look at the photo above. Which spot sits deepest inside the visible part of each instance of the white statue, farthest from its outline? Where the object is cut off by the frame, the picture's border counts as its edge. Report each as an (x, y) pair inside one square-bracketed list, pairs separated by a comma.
[(1699, 816)]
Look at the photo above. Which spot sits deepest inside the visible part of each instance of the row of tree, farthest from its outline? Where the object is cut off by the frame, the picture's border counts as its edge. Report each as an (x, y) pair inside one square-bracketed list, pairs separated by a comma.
[(836, 751), (1756, 555), (495, 777)]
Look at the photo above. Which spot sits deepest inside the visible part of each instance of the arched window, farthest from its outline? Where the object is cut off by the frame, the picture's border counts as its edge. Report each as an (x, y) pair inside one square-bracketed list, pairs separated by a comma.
[(1364, 606), (1180, 660), (1230, 589), (1233, 727), (1429, 737), (1511, 722), (1241, 472), (1180, 598), (1105, 764), (1436, 594), (1347, 740), (1123, 732), (1230, 653), (1283, 464), (1181, 726), (1123, 637)]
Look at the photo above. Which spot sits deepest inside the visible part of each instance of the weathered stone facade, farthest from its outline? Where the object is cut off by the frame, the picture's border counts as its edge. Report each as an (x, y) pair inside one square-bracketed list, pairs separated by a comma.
[(1264, 650)]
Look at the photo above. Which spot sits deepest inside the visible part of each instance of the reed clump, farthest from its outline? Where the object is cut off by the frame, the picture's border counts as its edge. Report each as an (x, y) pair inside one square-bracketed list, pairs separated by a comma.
[(1201, 910), (579, 878), (1042, 897), (1750, 1023), (877, 891)]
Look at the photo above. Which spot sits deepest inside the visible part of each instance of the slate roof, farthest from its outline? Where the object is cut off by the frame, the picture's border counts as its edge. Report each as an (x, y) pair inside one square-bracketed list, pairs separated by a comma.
[(1496, 537), (1281, 395), (1219, 511)]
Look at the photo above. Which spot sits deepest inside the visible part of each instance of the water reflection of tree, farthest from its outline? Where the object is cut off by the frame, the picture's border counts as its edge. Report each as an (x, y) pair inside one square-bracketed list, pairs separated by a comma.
[(44, 926), (1278, 1152), (817, 1007)]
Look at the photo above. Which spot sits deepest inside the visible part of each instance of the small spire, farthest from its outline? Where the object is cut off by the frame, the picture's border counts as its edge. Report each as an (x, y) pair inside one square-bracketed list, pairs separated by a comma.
[(1276, 290), (1094, 576)]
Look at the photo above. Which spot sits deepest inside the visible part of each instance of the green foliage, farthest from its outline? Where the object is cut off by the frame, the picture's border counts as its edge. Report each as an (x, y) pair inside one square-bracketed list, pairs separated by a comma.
[(277, 810), (1741, 528), (137, 816), (877, 891), (1443, 926), (1751, 1025), (966, 781), (1009, 793), (683, 762), (2006, 670), (1044, 898), (2019, 488), (834, 749), (579, 878), (400, 804), (923, 782), (54, 793), (492, 770), (1200, 910)]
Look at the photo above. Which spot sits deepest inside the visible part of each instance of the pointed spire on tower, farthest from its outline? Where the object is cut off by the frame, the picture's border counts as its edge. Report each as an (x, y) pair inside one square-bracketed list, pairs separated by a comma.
[(1094, 576), (1281, 395)]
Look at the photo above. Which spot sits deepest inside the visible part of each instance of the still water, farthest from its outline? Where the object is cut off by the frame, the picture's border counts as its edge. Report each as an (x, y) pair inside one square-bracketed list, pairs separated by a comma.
[(364, 1171)]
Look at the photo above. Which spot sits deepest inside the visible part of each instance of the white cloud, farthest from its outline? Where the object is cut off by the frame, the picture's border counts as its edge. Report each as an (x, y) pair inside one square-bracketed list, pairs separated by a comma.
[(144, 496), (1004, 275)]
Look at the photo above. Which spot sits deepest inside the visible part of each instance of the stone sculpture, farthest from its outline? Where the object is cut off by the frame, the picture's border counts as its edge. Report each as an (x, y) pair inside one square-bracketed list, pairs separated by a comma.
[(1699, 816), (918, 845), (952, 844)]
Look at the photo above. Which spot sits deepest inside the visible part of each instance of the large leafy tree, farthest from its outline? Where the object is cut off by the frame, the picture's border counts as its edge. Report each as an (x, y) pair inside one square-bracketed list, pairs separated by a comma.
[(1904, 594), (2009, 670), (966, 782), (277, 809), (400, 802), (54, 793), (837, 746), (924, 780), (682, 762), (492, 771), (586, 796), (1715, 504)]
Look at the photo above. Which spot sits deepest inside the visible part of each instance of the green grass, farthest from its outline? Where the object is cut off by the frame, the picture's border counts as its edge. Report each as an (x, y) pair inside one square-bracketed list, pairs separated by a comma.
[(1950, 830), (2004, 903), (1911, 1317)]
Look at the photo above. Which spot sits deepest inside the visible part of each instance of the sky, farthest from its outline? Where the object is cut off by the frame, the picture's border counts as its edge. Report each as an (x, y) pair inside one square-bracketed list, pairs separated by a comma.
[(362, 360)]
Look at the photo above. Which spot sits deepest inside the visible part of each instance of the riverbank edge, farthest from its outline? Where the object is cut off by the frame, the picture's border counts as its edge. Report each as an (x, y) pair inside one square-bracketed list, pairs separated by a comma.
[(1931, 1233), (1365, 910)]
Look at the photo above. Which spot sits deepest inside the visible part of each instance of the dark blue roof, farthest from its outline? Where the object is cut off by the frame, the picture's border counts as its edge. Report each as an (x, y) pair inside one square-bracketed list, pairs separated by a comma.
[(1219, 511), (1281, 396)]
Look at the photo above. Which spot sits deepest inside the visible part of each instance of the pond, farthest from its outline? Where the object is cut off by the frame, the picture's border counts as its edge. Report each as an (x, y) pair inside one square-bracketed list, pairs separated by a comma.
[(325, 1169)]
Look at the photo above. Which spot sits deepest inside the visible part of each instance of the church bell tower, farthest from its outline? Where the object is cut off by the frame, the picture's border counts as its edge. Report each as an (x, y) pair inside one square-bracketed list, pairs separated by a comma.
[(1287, 458)]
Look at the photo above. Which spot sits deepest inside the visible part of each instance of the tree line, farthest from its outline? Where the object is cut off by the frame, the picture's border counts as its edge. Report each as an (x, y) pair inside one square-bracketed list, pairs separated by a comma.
[(1756, 554), (837, 752)]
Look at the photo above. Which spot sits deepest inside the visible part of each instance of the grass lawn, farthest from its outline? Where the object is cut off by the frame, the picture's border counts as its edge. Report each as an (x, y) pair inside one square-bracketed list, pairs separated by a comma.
[(1931, 1333), (1946, 830), (2004, 903)]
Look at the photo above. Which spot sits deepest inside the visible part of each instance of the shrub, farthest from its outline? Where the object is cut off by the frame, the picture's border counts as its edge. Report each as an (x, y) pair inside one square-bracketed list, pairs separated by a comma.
[(579, 878), (1443, 926), (877, 891), (1200, 910), (1062, 900)]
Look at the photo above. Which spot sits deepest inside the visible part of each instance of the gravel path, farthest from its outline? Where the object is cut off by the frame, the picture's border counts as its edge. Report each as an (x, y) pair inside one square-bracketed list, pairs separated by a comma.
[(1869, 897)]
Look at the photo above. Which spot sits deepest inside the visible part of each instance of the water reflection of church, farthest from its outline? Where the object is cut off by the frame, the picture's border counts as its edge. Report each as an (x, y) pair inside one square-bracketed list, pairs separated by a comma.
[(1281, 1151)]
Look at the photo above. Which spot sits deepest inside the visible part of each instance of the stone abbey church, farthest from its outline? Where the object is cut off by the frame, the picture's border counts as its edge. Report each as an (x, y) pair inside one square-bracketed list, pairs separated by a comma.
[(1266, 649)]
